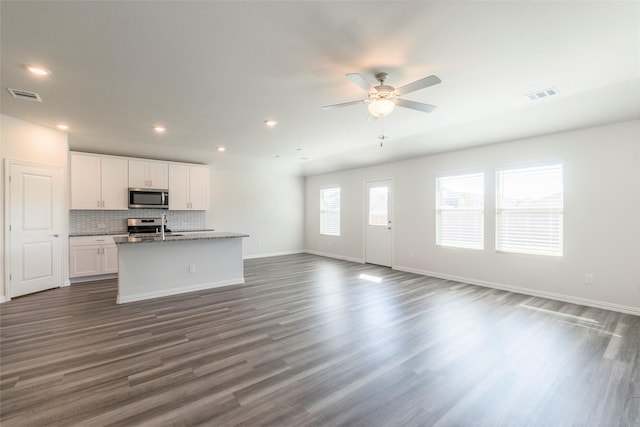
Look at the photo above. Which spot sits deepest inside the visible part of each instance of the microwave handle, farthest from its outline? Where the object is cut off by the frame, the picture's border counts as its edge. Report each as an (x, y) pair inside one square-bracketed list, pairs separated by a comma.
[(164, 198)]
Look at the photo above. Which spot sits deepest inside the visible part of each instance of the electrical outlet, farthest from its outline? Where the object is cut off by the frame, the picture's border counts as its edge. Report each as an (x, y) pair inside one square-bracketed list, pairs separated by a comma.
[(192, 268), (588, 279), (102, 226)]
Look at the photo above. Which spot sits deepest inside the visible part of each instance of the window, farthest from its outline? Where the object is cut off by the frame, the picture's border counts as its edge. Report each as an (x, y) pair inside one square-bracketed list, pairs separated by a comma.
[(529, 209), (330, 211), (379, 206), (460, 211)]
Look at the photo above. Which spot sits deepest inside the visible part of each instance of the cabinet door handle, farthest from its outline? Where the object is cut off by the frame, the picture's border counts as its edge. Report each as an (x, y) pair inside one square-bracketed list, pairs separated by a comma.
[(55, 235), (103, 203), (98, 203)]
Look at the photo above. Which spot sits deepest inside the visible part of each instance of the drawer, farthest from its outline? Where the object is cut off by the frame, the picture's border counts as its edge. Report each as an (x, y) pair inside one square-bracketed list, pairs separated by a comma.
[(91, 240)]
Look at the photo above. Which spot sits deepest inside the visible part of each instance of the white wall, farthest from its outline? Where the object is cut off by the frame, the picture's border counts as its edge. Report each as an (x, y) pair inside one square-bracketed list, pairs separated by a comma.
[(267, 206), (36, 144), (601, 220)]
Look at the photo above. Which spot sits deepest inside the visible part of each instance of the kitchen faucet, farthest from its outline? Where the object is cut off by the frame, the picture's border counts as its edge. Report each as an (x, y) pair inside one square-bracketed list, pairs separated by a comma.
[(164, 221)]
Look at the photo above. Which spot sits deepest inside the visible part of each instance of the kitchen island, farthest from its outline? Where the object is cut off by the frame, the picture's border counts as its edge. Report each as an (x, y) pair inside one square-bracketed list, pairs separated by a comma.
[(156, 266)]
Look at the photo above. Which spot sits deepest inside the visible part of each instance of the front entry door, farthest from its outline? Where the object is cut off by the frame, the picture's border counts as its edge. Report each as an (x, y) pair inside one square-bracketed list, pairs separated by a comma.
[(378, 222), (36, 223)]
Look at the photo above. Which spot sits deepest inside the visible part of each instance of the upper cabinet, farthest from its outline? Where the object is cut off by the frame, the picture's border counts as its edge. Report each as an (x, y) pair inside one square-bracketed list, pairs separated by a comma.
[(98, 182), (188, 187), (102, 182), (148, 174)]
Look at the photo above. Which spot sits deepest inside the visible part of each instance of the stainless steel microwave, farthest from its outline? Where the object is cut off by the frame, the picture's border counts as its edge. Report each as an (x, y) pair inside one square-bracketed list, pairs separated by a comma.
[(148, 198)]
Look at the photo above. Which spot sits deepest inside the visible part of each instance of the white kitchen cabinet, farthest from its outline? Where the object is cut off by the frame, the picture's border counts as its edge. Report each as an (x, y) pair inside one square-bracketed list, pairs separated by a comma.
[(84, 261), (188, 187), (92, 256), (98, 182), (148, 174), (199, 187), (109, 259)]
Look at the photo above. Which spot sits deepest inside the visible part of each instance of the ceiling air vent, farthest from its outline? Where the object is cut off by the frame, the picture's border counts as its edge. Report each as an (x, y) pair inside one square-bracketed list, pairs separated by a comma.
[(26, 95), (542, 94)]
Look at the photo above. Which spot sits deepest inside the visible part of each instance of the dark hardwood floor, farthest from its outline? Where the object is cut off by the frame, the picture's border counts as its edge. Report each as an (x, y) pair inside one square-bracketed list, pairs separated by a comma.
[(306, 342)]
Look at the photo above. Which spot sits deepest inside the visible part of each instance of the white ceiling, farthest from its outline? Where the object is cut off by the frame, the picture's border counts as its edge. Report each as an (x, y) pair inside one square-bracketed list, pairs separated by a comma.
[(212, 72)]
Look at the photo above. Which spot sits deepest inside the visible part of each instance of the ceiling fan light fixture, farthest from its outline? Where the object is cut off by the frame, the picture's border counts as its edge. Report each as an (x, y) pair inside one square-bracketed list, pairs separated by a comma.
[(381, 107)]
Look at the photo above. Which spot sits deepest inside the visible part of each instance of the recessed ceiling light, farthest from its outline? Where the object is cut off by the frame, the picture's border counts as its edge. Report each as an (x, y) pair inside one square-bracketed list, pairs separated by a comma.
[(62, 127), (159, 129), (270, 123), (221, 149), (38, 70)]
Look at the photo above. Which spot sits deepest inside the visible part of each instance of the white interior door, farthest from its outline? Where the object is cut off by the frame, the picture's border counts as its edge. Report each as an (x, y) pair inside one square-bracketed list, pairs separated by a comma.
[(35, 225), (378, 222)]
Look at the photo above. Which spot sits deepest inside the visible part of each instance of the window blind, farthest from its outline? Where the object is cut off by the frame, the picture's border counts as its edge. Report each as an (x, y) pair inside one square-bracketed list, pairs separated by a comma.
[(529, 210), (330, 211), (460, 211)]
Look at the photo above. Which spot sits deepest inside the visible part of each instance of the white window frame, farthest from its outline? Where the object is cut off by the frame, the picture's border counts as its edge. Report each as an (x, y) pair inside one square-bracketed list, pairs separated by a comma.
[(327, 212), (440, 211), (504, 247)]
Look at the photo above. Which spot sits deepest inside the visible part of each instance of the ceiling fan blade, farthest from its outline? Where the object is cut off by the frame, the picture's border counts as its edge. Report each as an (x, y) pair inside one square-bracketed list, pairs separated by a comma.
[(359, 80), (425, 108), (344, 104), (418, 84)]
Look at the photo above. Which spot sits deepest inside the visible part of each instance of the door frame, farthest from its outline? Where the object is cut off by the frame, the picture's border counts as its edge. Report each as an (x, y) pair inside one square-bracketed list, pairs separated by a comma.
[(6, 259), (365, 219)]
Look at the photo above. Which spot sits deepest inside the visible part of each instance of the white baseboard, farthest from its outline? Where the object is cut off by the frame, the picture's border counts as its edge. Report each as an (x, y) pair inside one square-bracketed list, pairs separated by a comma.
[(3, 299), (274, 254), (66, 283), (526, 291), (75, 280), (346, 258), (181, 290)]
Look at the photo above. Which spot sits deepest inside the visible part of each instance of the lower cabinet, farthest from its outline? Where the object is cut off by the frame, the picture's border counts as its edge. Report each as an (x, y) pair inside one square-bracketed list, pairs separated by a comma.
[(92, 256), (109, 259)]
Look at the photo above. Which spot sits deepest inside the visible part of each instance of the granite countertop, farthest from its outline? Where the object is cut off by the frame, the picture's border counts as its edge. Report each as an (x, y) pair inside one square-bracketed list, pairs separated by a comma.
[(121, 233), (124, 233), (176, 237)]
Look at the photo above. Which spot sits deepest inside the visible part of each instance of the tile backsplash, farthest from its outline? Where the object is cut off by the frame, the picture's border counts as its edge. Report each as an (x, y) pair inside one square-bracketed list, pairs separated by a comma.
[(115, 222)]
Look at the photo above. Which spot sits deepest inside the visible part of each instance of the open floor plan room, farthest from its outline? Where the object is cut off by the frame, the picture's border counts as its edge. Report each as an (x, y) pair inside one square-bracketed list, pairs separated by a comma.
[(315, 341), (320, 213)]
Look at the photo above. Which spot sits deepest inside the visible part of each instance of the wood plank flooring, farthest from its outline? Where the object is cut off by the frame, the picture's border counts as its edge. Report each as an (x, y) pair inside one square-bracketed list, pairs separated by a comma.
[(306, 342)]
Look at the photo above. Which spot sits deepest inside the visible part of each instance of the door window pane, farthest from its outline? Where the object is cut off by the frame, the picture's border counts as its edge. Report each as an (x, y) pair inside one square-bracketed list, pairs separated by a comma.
[(378, 205)]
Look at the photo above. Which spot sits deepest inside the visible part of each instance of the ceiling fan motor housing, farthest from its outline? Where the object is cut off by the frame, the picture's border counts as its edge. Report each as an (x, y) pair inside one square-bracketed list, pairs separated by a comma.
[(382, 92)]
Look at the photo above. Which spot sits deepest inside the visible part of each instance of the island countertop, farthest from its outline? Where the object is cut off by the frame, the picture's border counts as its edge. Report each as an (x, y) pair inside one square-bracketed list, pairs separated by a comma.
[(177, 237)]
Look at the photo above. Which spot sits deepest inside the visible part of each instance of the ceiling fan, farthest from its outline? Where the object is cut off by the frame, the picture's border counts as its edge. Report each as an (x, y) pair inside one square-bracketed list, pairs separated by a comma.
[(383, 98)]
